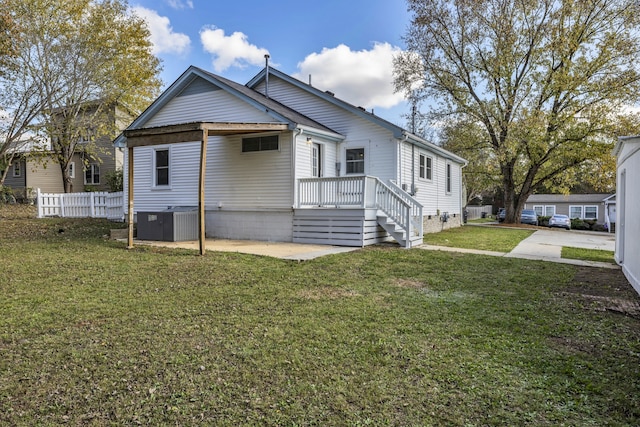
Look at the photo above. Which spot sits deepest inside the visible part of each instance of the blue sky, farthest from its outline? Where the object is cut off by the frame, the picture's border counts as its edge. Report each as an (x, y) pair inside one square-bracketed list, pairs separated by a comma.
[(345, 45)]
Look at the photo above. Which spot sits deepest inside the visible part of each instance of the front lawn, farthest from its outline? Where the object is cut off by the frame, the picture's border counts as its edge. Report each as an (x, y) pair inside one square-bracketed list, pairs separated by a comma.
[(94, 334), (498, 239), (598, 255)]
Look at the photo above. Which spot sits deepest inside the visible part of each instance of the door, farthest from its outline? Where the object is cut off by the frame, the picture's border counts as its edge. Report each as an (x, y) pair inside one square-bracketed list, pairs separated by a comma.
[(316, 160)]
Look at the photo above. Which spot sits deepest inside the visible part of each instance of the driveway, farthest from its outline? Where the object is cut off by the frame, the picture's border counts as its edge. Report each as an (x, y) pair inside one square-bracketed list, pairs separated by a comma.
[(546, 245)]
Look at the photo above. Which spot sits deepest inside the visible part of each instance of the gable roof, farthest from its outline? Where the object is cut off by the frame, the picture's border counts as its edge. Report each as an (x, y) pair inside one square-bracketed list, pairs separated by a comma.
[(397, 131), (568, 198), (279, 112)]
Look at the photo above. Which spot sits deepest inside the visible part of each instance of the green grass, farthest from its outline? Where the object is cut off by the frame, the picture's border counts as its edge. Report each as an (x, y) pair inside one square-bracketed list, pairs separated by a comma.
[(498, 239), (482, 220), (598, 255), (94, 334)]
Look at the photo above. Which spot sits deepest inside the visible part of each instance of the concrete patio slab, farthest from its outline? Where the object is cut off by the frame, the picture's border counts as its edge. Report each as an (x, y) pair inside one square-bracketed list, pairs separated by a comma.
[(283, 250)]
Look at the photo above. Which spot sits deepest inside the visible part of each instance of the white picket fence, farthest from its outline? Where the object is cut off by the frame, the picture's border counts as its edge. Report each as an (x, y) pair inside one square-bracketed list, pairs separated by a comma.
[(81, 205)]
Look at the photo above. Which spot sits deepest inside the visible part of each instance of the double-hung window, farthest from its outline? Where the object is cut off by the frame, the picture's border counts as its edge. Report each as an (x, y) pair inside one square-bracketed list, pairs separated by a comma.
[(355, 160), (92, 174), (575, 212), (426, 167), (590, 212), (17, 169), (449, 178), (161, 167)]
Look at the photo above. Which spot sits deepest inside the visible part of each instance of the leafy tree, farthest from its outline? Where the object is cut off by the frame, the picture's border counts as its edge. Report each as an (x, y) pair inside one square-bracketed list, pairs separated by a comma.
[(544, 79), (76, 60), (467, 139)]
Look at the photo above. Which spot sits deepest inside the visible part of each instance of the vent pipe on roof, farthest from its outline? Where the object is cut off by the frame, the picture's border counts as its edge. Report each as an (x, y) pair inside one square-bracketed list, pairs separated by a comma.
[(266, 83), (309, 79)]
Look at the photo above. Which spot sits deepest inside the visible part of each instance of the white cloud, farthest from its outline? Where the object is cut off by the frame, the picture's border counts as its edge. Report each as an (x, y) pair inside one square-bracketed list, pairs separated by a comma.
[(363, 78), (164, 39), (179, 4), (230, 51)]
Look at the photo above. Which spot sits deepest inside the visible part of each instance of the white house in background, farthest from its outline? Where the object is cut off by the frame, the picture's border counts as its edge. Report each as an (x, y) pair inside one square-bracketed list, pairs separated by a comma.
[(627, 151), (286, 161)]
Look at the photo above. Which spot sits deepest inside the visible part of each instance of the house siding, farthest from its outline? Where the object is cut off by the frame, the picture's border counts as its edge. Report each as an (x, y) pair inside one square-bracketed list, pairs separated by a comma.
[(234, 180), (212, 106), (378, 143), (564, 206), (627, 252)]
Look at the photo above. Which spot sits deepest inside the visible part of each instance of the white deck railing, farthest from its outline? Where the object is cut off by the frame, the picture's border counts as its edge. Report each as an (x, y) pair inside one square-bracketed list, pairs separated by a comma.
[(364, 192), (81, 205)]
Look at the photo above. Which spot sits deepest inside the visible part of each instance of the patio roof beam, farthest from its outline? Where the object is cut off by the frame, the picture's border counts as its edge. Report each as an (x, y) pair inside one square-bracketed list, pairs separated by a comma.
[(192, 132)]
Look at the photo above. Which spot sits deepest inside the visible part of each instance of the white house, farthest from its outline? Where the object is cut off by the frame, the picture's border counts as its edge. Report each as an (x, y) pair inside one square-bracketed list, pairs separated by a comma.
[(627, 254), (280, 160)]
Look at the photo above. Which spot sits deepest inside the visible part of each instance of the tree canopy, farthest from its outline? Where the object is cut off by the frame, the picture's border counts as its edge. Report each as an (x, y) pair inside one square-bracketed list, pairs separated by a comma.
[(75, 60), (544, 81)]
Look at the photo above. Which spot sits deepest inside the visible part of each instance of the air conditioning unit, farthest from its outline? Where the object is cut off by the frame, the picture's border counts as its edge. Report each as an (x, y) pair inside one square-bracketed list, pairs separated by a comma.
[(171, 225)]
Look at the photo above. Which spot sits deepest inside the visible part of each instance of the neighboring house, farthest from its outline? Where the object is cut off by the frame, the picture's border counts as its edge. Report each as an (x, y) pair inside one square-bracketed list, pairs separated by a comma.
[(627, 151), (582, 206), (285, 161), (32, 170)]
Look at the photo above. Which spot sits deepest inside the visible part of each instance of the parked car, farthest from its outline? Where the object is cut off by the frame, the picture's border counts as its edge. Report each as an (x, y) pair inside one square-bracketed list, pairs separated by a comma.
[(562, 221), (502, 212), (529, 216)]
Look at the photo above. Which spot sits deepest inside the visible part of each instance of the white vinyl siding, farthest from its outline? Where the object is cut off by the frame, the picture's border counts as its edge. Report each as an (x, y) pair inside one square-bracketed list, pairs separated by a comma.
[(378, 142), (216, 106)]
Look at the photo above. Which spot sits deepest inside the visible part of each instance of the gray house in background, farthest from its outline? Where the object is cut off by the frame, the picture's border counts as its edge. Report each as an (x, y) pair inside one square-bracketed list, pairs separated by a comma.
[(582, 206)]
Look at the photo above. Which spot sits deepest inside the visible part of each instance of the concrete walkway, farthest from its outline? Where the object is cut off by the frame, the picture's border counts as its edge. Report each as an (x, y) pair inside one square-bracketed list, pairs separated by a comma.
[(546, 245)]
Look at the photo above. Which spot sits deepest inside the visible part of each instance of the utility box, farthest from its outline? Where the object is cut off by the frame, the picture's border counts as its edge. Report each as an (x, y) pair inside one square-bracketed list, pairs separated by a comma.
[(171, 225)]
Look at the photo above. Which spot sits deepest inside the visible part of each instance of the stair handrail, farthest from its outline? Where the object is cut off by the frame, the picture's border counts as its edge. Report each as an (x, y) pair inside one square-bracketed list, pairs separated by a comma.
[(416, 207), (409, 218)]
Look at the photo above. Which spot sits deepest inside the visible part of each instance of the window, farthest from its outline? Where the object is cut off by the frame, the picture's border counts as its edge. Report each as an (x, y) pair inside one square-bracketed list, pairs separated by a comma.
[(161, 167), (17, 169), (545, 210), (92, 174), (355, 160), (448, 177), (575, 212), (260, 143), (316, 161), (426, 169), (590, 212), (72, 170)]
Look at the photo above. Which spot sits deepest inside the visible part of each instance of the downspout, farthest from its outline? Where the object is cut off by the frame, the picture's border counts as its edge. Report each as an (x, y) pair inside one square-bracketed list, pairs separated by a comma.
[(266, 77), (296, 133), (405, 137)]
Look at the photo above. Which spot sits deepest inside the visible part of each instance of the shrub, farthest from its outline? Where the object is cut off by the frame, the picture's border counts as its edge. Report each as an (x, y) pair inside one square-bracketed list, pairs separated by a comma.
[(578, 224), (115, 180), (543, 221)]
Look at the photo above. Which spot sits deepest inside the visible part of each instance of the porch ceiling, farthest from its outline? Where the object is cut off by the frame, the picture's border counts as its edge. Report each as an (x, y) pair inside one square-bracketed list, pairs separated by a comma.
[(191, 132)]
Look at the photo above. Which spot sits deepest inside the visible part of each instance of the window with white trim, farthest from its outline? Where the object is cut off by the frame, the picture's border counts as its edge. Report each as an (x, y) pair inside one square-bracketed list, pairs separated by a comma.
[(542, 210), (355, 160), (590, 212), (575, 212), (449, 178), (92, 174), (425, 167), (161, 167), (72, 169)]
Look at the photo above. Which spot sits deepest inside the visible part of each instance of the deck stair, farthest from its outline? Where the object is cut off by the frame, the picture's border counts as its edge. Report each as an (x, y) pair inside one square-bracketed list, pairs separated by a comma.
[(399, 233)]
